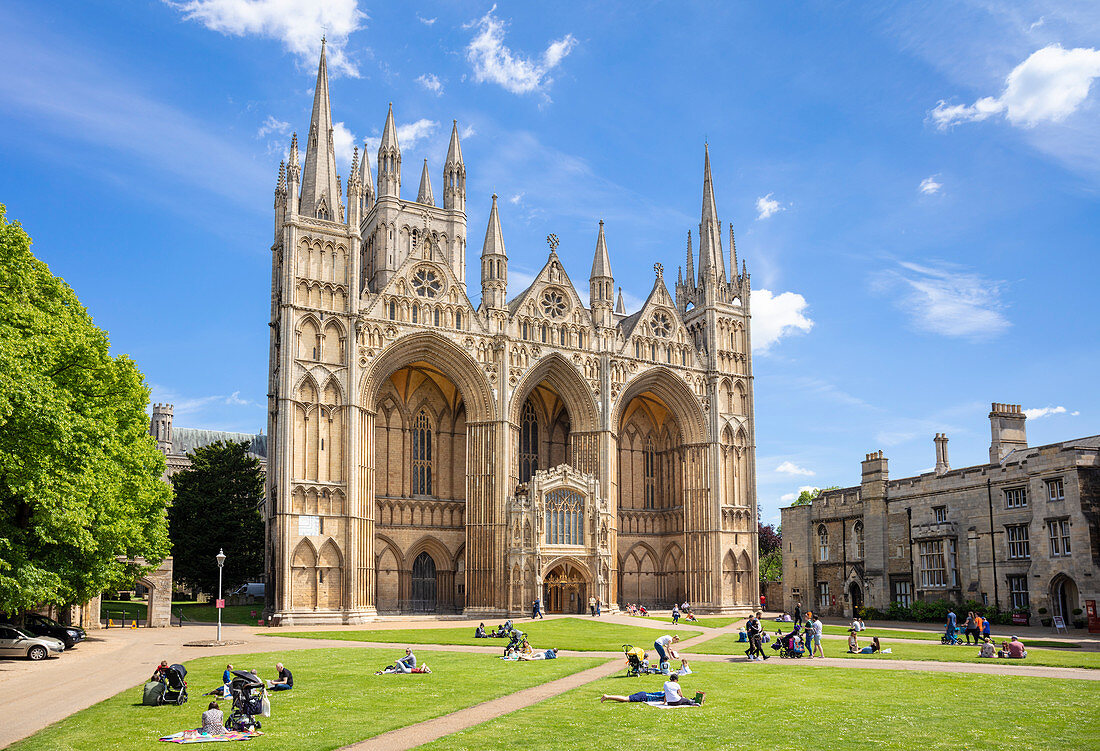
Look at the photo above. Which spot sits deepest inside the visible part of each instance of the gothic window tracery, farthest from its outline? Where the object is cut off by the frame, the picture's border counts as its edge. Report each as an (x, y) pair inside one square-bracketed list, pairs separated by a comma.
[(528, 444), (564, 517), (422, 455), (553, 304), (650, 465), (662, 325), (425, 282)]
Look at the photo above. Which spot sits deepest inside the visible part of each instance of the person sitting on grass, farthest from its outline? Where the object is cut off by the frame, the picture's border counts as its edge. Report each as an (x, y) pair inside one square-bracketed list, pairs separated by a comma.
[(479, 632), (642, 610), (525, 647), (684, 668), (988, 650), (549, 654), (675, 697), (285, 681), (213, 722), (853, 642), (159, 671), (406, 664), (1016, 649)]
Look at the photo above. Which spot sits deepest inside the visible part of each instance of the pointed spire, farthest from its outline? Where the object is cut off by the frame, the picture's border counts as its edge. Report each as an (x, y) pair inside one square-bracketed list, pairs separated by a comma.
[(389, 132), (320, 183), (711, 263), (454, 174), (494, 238), (280, 186), (454, 151), (389, 159), (424, 195), (292, 160), (733, 254), (601, 263), (354, 165), (620, 306), (690, 261), (366, 181)]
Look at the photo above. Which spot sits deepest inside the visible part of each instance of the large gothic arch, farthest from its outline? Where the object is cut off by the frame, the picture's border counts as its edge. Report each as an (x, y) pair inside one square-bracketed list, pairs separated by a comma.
[(672, 390), (557, 372)]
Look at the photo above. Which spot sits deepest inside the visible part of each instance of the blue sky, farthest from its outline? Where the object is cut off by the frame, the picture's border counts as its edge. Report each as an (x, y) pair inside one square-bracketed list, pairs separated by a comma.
[(916, 187)]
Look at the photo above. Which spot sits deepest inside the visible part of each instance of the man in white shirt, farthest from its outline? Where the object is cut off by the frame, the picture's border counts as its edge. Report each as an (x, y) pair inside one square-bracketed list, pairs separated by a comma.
[(815, 637), (674, 696)]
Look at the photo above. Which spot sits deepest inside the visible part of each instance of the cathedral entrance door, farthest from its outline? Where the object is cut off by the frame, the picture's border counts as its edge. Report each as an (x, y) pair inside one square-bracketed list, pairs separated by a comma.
[(423, 584), (857, 598), (565, 590)]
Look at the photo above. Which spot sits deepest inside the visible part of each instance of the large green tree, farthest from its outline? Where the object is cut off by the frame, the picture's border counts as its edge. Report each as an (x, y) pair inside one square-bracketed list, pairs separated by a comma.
[(217, 507), (80, 478)]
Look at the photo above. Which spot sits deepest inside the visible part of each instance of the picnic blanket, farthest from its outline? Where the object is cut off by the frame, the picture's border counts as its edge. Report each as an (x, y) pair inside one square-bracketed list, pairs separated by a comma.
[(232, 735), (661, 705)]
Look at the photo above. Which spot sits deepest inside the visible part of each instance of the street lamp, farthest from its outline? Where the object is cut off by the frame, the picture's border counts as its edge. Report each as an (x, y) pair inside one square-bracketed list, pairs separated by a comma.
[(221, 564)]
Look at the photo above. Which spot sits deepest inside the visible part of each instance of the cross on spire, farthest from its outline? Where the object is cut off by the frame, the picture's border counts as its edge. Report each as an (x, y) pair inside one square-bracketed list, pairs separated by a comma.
[(659, 269), (552, 241)]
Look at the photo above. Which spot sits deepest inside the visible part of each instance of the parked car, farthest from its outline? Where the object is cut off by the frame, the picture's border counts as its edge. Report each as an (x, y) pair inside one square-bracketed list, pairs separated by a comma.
[(17, 642), (251, 589), (41, 625)]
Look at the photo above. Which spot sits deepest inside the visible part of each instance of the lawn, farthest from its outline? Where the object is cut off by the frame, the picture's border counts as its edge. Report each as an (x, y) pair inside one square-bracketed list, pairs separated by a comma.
[(336, 699), (789, 706), (562, 633), (1062, 658), (884, 633), (716, 622), (194, 611)]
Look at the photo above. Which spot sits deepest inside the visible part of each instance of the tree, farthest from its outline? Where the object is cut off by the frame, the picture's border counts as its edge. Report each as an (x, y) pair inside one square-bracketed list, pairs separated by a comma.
[(771, 566), (769, 538), (217, 507), (80, 477), (806, 497)]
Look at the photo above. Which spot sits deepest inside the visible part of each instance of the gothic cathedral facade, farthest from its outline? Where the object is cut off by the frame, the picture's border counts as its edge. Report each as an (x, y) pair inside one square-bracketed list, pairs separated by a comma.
[(427, 455)]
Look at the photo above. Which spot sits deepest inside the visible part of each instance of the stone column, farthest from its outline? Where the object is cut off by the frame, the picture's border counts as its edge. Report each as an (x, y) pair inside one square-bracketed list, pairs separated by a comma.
[(361, 515), (700, 529), (484, 525)]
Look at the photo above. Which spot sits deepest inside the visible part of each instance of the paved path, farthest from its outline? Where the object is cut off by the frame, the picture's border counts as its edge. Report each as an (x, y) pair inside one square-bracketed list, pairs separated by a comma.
[(34, 695)]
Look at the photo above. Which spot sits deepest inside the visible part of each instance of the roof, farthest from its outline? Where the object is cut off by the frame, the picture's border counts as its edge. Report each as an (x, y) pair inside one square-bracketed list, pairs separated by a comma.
[(186, 440)]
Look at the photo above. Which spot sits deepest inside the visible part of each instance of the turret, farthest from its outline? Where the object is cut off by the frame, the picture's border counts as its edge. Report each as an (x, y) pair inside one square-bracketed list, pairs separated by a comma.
[(320, 183), (620, 306), (389, 160), (424, 194), (1006, 424), (601, 283), (355, 191), (454, 175), (293, 175), (366, 182), (280, 199), (494, 263), (160, 427)]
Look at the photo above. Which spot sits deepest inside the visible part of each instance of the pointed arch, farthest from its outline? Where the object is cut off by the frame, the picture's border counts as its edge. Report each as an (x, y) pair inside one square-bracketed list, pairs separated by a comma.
[(560, 374), (309, 339), (332, 344), (305, 555), (672, 390)]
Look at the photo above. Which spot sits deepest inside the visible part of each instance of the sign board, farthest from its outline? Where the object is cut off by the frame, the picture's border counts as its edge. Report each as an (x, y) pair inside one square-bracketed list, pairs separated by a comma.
[(1059, 623), (1094, 621), (219, 604), (1019, 619)]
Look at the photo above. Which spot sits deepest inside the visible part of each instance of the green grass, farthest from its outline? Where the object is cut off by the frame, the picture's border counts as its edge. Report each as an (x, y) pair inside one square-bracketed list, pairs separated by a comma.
[(715, 622), (884, 633), (562, 633), (728, 644), (788, 706), (336, 699), (195, 611)]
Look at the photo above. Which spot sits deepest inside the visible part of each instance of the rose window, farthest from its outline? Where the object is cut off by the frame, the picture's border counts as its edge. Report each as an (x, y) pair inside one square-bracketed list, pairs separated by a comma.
[(662, 326), (426, 283), (553, 304)]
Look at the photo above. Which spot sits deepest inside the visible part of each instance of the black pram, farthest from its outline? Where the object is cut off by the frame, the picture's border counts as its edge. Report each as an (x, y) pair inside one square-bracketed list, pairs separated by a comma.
[(175, 687), (515, 637), (247, 691)]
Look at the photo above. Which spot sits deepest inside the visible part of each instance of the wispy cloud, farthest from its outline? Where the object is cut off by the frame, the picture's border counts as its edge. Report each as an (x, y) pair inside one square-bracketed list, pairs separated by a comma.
[(790, 468), (516, 199), (1049, 86), (767, 206), (430, 82), (1040, 412), (273, 125), (408, 134), (298, 25), (930, 186), (343, 141), (775, 316), (425, 21), (946, 299), (495, 62), (186, 406)]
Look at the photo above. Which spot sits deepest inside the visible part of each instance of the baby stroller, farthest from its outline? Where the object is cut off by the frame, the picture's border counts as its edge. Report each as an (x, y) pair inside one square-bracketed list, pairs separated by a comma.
[(635, 660), (949, 637), (248, 693), (175, 687), (789, 646), (515, 637)]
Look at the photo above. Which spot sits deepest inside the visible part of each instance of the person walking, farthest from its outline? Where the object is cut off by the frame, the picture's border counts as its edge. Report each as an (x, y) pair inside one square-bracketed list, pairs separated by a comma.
[(798, 613), (755, 632), (592, 606), (536, 609), (814, 631), (986, 628), (598, 604), (972, 627), (675, 614)]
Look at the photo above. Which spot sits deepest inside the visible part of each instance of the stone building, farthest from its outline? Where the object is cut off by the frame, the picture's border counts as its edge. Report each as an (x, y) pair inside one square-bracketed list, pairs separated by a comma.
[(1020, 532), (176, 443), (432, 455)]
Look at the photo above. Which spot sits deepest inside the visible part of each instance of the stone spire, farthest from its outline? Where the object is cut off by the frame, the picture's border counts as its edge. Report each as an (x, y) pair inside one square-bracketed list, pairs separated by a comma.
[(293, 175), (733, 255), (320, 185), (690, 277), (389, 160), (454, 175), (620, 306), (424, 195), (366, 181), (355, 190), (494, 263), (601, 283), (711, 264)]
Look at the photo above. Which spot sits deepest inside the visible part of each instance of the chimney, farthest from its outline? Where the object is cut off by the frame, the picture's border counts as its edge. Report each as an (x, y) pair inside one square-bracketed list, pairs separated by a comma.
[(942, 465), (1006, 425)]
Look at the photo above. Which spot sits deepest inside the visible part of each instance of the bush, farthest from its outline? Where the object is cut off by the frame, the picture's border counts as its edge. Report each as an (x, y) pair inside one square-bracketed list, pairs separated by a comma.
[(1077, 611), (1042, 611)]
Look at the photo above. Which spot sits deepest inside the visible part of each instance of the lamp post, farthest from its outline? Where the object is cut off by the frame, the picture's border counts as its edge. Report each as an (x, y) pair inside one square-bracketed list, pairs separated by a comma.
[(221, 563)]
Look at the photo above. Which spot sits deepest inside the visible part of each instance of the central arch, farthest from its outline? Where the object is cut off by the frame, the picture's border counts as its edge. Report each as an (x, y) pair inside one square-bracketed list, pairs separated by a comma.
[(565, 585), (558, 373)]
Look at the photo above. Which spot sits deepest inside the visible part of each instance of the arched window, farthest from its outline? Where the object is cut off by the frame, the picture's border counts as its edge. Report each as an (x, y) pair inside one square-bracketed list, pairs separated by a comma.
[(564, 517), (650, 462), (435, 318), (393, 310), (857, 533), (528, 443), (415, 313), (422, 455), (458, 319), (822, 543), (545, 332), (523, 329), (423, 583)]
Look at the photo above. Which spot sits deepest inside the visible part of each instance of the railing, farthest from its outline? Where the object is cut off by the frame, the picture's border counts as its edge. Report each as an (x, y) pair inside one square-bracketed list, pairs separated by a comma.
[(119, 618)]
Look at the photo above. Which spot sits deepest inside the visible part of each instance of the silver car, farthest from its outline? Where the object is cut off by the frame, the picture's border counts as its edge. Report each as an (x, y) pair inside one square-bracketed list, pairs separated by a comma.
[(15, 642)]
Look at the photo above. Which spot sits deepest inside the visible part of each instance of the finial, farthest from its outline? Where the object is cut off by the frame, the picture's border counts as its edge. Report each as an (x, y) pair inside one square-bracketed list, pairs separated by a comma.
[(552, 241), (659, 269), (601, 222), (494, 198)]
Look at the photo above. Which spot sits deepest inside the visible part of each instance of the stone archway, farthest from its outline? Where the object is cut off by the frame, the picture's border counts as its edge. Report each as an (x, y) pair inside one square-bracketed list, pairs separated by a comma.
[(855, 596), (565, 589), (1064, 598)]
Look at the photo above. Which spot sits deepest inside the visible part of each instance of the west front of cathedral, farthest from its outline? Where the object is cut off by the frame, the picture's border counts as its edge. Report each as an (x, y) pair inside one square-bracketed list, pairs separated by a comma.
[(427, 455)]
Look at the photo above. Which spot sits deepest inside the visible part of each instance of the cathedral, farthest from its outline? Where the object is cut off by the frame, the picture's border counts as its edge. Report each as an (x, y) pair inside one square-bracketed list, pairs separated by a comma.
[(430, 455)]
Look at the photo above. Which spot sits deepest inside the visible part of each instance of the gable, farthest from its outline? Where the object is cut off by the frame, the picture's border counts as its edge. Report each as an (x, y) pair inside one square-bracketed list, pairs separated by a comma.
[(551, 299), (656, 333)]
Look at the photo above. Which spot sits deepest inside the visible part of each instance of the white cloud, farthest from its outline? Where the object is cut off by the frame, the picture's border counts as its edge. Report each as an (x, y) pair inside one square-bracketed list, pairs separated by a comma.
[(425, 21), (408, 134), (298, 25), (947, 299), (467, 131), (791, 497), (775, 316), (516, 199), (430, 82), (1038, 412), (273, 125), (929, 186), (495, 62), (767, 206), (1048, 86), (790, 468), (343, 140)]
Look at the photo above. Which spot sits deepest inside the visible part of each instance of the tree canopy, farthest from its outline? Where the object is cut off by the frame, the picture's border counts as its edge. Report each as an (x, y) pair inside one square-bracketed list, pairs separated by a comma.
[(80, 477), (806, 497), (217, 507)]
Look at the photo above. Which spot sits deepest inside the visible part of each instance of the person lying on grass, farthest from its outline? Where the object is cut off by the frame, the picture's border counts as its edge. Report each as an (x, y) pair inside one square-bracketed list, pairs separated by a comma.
[(549, 654), (671, 694), (875, 647), (406, 664)]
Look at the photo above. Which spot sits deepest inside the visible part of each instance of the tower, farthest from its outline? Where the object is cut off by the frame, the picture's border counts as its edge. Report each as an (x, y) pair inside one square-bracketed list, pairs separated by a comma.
[(389, 160), (494, 263), (160, 427), (454, 175), (601, 284), (320, 184)]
